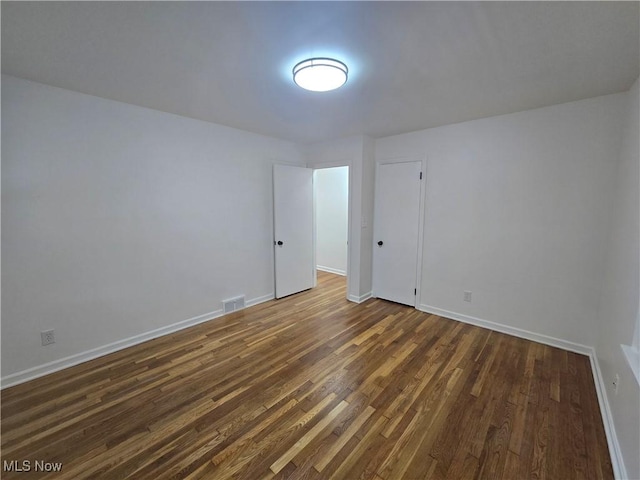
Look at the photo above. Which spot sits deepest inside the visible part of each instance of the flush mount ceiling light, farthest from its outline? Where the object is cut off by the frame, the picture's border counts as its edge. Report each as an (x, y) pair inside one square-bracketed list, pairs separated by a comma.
[(320, 74)]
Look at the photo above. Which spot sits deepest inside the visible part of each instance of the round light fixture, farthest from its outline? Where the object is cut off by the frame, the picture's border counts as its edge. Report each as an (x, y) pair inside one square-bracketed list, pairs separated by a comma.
[(320, 74)]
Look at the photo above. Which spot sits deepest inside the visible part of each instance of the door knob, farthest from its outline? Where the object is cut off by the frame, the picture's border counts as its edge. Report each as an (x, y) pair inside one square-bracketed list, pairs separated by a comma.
[(280, 242), (380, 243)]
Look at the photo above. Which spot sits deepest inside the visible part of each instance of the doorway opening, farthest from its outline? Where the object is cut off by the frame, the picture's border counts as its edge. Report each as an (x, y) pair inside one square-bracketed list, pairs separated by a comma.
[(331, 199)]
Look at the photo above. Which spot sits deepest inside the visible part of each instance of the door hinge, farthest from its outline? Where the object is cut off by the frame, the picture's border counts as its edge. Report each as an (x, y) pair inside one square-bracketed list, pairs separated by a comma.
[(415, 291), (420, 175)]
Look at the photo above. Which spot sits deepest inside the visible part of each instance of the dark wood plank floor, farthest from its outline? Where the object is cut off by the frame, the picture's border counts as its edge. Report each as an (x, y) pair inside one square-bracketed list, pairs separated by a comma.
[(315, 387)]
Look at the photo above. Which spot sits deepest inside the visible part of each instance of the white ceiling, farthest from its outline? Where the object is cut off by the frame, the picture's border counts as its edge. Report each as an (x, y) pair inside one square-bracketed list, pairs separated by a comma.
[(412, 65)]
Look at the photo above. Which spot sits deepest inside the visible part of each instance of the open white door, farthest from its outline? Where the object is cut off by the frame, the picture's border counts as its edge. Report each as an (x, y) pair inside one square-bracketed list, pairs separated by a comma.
[(293, 227), (396, 229)]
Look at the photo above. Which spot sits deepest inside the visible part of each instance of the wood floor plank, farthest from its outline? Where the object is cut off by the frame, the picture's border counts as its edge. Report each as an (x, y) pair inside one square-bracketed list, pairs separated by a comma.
[(344, 438), (314, 387)]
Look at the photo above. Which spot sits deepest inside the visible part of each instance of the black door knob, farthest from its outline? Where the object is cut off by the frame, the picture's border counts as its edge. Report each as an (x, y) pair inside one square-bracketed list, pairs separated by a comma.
[(280, 242), (380, 243)]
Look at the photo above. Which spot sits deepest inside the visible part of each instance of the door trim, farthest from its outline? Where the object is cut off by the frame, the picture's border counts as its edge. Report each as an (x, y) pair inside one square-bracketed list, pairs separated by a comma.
[(315, 233), (341, 163)]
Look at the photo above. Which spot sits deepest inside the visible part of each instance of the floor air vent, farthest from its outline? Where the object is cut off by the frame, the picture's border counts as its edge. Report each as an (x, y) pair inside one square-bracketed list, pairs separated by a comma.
[(233, 304)]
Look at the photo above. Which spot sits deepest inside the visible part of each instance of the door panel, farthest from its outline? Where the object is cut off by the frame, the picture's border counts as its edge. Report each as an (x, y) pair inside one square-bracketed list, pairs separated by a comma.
[(396, 229), (293, 227)]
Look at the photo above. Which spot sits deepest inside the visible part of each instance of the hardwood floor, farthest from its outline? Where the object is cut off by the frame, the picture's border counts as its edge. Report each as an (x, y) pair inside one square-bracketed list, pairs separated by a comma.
[(315, 387)]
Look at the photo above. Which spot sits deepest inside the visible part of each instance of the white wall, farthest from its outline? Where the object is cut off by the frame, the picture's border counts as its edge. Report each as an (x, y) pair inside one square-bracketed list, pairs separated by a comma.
[(118, 220), (517, 211), (619, 305), (331, 187), (366, 226)]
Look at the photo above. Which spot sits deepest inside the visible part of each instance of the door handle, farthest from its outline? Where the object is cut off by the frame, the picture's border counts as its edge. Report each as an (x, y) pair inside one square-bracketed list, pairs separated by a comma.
[(380, 243), (280, 243)]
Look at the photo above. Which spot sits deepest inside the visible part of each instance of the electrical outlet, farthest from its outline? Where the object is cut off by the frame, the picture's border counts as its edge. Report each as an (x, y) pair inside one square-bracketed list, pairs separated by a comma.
[(47, 337), (616, 383), (466, 296)]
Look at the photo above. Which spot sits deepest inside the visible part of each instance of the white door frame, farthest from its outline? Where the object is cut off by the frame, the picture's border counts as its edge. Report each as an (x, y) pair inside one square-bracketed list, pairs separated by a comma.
[(421, 210), (321, 166)]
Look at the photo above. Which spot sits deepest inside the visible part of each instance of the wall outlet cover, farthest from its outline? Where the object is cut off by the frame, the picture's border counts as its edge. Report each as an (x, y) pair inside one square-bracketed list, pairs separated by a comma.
[(47, 337)]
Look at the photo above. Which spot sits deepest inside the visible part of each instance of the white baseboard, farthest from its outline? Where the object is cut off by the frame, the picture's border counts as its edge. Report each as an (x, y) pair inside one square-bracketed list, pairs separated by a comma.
[(331, 270), (262, 299), (617, 461), (361, 298), (70, 361), (509, 330)]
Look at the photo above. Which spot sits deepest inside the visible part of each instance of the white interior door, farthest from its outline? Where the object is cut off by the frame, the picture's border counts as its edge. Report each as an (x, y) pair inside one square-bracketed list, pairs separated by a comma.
[(396, 229), (293, 227)]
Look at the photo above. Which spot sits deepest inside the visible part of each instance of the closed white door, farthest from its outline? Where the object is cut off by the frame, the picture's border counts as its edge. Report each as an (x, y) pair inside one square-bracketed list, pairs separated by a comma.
[(293, 227), (396, 228)]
